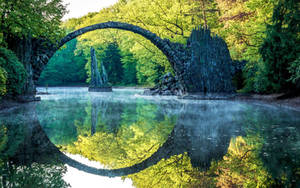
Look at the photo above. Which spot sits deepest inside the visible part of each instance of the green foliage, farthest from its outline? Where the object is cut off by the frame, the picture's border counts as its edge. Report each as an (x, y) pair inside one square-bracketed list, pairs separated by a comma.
[(171, 19), (129, 69), (274, 66), (3, 78), (16, 74), (243, 26), (36, 18), (35, 175), (61, 125), (66, 67), (295, 71), (281, 45), (131, 142), (256, 79), (111, 58), (241, 166)]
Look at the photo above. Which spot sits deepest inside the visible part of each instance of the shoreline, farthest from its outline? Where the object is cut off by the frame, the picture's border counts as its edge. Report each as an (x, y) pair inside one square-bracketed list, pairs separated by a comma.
[(117, 87), (292, 103), (289, 103)]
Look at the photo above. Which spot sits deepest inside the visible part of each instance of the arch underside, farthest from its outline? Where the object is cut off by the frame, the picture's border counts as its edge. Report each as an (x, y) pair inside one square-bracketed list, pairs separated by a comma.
[(162, 44), (203, 65), (173, 51)]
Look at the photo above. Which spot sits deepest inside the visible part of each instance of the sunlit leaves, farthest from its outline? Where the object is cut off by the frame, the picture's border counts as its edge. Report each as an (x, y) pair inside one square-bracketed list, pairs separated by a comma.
[(171, 19), (176, 171), (244, 25), (36, 18), (130, 145), (241, 166)]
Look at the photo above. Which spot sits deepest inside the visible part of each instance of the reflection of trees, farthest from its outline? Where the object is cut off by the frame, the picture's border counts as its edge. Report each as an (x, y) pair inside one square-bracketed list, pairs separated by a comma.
[(241, 166), (195, 141), (33, 176), (268, 156), (176, 171), (156, 149), (206, 132), (60, 118), (279, 132), (101, 115), (281, 154), (27, 157), (135, 140)]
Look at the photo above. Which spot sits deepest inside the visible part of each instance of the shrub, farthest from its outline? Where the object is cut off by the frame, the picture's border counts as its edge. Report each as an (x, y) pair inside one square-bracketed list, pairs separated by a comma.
[(3, 78), (16, 73), (295, 71)]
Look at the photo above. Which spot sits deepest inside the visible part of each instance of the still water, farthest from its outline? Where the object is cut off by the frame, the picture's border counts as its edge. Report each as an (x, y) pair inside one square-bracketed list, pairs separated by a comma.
[(124, 139)]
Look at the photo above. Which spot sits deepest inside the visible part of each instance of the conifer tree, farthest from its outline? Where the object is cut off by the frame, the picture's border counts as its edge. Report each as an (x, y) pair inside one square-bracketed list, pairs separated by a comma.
[(281, 47)]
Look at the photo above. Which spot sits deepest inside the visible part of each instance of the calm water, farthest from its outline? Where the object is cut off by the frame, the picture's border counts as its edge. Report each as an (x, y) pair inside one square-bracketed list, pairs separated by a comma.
[(123, 139)]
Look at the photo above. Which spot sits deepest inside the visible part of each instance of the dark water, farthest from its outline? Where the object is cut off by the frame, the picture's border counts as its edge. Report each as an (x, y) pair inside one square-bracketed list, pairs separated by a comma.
[(122, 139)]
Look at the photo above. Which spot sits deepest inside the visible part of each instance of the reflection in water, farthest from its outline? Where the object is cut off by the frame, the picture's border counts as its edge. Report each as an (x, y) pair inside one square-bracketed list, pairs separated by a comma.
[(27, 158), (155, 143)]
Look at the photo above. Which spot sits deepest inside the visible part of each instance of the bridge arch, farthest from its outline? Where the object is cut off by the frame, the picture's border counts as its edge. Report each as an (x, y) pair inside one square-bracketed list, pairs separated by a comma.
[(173, 51), (162, 44)]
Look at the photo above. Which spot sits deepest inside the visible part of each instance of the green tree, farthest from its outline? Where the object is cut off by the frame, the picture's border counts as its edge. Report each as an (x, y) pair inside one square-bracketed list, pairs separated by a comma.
[(16, 73), (171, 19), (111, 58), (35, 18), (295, 72), (66, 67), (281, 47), (243, 24), (129, 66)]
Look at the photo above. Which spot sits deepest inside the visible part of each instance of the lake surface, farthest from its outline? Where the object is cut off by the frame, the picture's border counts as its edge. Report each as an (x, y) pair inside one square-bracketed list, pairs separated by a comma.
[(124, 139)]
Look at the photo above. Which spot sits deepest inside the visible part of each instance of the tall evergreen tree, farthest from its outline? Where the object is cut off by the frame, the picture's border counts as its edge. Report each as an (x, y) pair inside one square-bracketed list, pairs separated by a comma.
[(281, 47), (129, 65), (112, 62), (65, 67)]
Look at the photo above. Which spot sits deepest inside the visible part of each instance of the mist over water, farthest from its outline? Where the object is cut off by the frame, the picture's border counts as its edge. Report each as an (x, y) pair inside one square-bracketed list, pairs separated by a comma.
[(154, 137)]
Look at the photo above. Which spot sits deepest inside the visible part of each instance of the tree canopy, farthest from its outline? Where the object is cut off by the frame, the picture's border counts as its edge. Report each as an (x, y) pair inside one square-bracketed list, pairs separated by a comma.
[(36, 18), (243, 24), (257, 31)]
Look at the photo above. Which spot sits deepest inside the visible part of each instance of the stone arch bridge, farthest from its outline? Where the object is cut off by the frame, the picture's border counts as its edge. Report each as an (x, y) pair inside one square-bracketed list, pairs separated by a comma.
[(203, 65)]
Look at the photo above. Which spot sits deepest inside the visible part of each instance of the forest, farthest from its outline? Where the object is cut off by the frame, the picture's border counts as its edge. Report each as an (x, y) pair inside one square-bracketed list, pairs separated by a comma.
[(192, 142), (264, 33)]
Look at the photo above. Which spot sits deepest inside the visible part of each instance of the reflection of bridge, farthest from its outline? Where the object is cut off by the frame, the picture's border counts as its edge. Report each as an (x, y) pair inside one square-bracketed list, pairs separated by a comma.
[(202, 142)]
